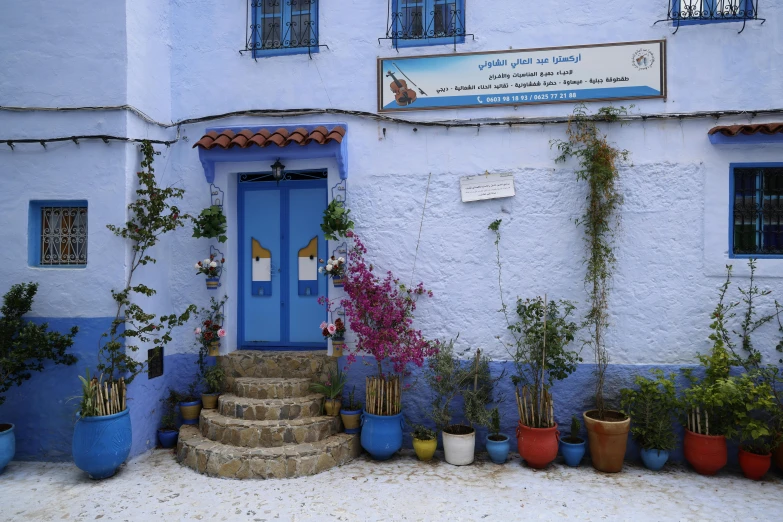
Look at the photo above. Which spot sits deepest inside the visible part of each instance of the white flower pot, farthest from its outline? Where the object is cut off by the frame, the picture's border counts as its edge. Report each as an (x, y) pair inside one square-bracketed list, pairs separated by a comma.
[(459, 449)]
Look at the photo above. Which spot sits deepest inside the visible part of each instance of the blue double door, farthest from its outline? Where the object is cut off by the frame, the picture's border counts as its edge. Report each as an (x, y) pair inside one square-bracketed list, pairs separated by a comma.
[(280, 244)]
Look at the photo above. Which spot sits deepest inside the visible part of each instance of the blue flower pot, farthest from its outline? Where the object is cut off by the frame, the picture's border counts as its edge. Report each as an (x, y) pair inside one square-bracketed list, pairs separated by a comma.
[(654, 459), (167, 438), (381, 434), (572, 452), (498, 449), (7, 445), (102, 444)]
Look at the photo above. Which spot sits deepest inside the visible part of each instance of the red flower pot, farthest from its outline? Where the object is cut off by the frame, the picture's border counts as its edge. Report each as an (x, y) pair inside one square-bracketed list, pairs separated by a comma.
[(537, 446), (706, 453), (754, 466)]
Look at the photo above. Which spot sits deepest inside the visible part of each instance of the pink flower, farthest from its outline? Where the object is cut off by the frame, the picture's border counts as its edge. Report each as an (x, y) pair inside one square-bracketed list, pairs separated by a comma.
[(331, 328), (221, 333), (197, 331), (323, 325)]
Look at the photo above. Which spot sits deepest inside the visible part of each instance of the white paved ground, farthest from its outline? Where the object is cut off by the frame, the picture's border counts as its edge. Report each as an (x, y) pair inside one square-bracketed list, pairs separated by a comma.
[(155, 487)]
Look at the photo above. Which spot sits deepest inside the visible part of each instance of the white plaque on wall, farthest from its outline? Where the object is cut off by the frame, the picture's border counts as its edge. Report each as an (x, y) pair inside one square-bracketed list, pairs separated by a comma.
[(486, 186)]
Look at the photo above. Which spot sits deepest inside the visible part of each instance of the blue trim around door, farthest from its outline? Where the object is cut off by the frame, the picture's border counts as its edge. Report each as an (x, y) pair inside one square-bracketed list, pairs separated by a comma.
[(242, 282)]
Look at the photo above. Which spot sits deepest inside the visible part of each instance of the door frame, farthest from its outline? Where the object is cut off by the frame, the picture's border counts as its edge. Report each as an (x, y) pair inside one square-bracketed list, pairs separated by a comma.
[(284, 186)]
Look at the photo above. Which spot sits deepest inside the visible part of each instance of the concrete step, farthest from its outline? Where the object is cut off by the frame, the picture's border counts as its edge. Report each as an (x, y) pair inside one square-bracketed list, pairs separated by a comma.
[(271, 388), (222, 460), (270, 409), (313, 365), (266, 433)]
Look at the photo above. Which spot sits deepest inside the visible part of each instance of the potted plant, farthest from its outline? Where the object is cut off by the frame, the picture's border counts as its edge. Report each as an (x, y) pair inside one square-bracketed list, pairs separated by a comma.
[(102, 434), (425, 442), (24, 348), (755, 435), (607, 430), (573, 447), (168, 432), (211, 223), (651, 405), (336, 332), (498, 444), (332, 389), (190, 404), (214, 378), (380, 312), (212, 267), (334, 268), (210, 330), (351, 413), (336, 222)]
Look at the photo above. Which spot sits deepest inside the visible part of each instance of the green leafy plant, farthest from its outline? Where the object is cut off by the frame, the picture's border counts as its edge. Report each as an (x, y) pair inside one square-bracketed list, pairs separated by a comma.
[(88, 400), (333, 387), (598, 168), (479, 393), (351, 404), (151, 215), (168, 420), (494, 425), (192, 394), (756, 420), (211, 223), (25, 347), (337, 221), (445, 376), (214, 379), (652, 405), (573, 436), (422, 432)]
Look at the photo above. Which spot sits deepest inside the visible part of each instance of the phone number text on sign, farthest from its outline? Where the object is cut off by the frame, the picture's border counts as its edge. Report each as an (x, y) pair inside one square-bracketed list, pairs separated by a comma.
[(528, 97)]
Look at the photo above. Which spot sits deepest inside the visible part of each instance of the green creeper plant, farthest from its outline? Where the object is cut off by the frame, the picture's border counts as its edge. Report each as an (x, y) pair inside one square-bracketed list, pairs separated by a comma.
[(598, 168), (652, 406), (337, 221), (151, 215), (25, 347), (211, 223)]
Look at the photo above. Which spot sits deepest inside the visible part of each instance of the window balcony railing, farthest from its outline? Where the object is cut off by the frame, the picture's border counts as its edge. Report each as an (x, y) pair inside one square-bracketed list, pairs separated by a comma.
[(683, 12), (425, 22), (275, 27)]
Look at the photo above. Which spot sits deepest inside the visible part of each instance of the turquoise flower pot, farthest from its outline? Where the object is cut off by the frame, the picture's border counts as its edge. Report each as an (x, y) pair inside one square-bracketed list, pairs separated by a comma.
[(498, 449), (572, 452), (381, 434), (7, 445), (102, 444), (654, 459)]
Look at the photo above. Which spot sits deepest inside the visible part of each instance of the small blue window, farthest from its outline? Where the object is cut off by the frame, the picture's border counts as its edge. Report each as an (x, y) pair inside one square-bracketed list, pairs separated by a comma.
[(426, 22), (57, 234), (284, 27), (756, 210), (708, 11)]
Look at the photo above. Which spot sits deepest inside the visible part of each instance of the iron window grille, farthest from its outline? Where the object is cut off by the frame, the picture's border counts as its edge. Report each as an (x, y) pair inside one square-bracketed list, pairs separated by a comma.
[(706, 11), (425, 22), (63, 239), (300, 175), (277, 27), (757, 208)]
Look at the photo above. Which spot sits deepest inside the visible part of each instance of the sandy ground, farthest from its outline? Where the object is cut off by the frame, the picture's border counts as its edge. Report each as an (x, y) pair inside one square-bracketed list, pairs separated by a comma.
[(155, 487)]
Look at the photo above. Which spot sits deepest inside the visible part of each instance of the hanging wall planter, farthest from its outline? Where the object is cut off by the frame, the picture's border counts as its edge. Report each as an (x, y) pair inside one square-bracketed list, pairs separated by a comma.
[(337, 348), (213, 283), (214, 348)]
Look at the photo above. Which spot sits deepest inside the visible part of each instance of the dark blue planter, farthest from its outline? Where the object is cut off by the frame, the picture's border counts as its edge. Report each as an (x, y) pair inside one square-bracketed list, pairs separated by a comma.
[(498, 449), (572, 452), (167, 438), (7, 445), (381, 435), (654, 459), (102, 444)]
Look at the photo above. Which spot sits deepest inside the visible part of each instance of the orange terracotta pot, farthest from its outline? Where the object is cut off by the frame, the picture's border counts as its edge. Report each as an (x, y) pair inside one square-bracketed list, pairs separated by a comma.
[(607, 439), (754, 466), (777, 456), (537, 446), (706, 453)]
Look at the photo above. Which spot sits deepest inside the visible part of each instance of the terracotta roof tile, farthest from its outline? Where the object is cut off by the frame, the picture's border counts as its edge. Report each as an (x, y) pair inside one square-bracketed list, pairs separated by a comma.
[(733, 130), (281, 137)]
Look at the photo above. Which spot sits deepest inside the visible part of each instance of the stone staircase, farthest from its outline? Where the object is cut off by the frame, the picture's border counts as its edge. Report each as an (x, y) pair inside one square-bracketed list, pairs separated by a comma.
[(269, 425)]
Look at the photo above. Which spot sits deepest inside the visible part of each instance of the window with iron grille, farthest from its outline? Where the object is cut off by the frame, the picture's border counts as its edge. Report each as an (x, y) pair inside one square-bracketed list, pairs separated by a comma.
[(707, 11), (757, 211), (58, 233), (276, 27), (425, 22)]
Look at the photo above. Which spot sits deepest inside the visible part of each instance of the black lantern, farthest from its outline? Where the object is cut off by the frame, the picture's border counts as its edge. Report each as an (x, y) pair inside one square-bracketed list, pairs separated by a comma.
[(278, 170)]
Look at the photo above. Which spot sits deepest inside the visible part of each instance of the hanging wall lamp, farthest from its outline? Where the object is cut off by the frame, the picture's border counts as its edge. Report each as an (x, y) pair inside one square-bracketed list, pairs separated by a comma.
[(278, 170)]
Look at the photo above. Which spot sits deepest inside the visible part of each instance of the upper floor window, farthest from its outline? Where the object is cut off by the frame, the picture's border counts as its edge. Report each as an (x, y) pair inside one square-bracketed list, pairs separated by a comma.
[(425, 22), (279, 27), (756, 210), (707, 11), (58, 233)]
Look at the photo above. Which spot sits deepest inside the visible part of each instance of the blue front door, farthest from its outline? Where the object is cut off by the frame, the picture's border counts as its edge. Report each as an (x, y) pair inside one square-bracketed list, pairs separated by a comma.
[(280, 243)]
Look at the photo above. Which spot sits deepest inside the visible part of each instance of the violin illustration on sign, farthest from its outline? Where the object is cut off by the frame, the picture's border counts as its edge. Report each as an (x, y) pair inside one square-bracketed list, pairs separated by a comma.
[(402, 94), (262, 269), (308, 268)]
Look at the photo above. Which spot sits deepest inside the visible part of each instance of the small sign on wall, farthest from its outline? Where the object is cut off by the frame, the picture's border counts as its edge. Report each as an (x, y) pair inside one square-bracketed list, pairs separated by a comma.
[(486, 186)]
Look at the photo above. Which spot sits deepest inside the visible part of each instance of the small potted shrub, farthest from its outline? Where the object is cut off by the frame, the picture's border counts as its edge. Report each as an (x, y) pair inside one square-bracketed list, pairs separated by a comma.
[(573, 447), (332, 389), (168, 432), (211, 267), (337, 221), (211, 223), (652, 405), (351, 413), (498, 444), (754, 434), (214, 379), (190, 404), (425, 442)]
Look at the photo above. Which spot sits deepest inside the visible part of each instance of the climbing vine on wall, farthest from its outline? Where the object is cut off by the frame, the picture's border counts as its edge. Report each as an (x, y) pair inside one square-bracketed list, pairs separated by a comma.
[(598, 161)]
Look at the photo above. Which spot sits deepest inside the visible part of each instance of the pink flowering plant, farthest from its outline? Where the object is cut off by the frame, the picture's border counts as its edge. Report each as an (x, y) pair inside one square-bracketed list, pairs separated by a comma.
[(209, 329), (211, 267), (334, 330)]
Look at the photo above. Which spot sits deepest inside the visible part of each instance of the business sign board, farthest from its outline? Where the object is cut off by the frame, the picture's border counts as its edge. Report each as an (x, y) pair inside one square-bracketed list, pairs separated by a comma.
[(486, 186), (617, 71)]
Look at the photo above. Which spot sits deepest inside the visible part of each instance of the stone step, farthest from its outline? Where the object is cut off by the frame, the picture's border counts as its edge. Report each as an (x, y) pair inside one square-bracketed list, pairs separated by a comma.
[(269, 409), (313, 365), (222, 460), (271, 388), (266, 433)]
